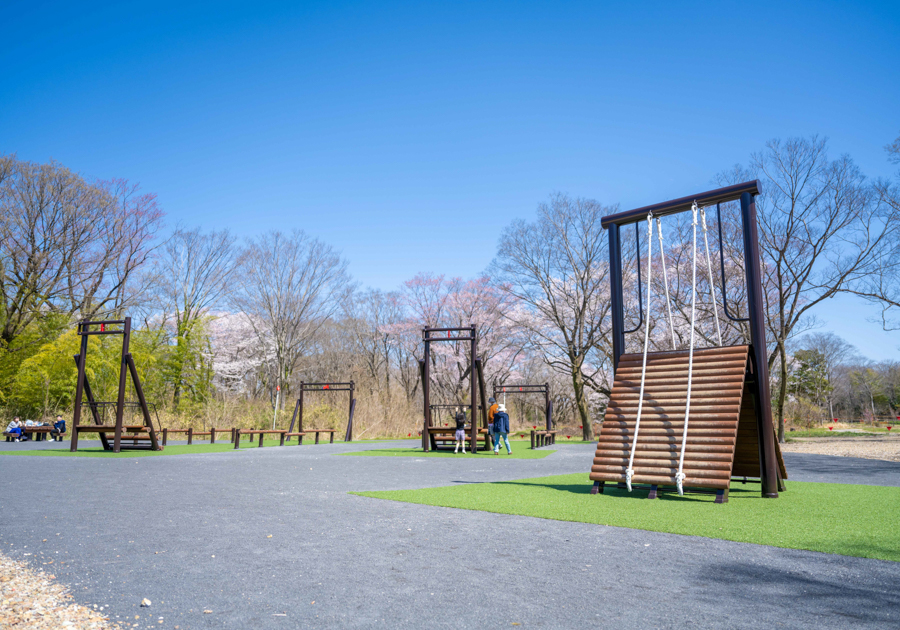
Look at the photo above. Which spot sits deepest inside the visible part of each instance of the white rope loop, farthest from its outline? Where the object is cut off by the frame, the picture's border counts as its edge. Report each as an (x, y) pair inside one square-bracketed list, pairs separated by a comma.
[(662, 257), (712, 284), (680, 476), (629, 472)]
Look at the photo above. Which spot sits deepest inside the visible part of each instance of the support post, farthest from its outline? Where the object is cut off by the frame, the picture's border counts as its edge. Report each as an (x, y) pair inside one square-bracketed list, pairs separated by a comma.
[(142, 401), (237, 438), (767, 460), (300, 410), (474, 393), (190, 435), (426, 393), (79, 392), (165, 436), (212, 435), (120, 400), (294, 416), (616, 294), (348, 437), (547, 407)]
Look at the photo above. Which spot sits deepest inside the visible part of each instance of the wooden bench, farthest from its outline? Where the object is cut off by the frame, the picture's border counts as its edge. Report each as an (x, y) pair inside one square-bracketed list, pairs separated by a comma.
[(447, 435), (542, 438), (299, 435), (262, 433), (191, 434)]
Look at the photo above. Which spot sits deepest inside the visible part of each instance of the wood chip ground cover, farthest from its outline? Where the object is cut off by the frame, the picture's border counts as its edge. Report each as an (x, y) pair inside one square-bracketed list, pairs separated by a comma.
[(32, 599)]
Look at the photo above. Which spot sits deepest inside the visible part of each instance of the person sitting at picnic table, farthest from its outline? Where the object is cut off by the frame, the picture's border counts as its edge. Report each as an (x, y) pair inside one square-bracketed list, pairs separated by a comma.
[(15, 428), (59, 427)]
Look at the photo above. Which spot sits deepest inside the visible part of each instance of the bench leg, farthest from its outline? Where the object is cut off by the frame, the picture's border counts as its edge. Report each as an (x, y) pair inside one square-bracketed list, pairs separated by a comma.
[(282, 440), (598, 487), (721, 496), (261, 436), (331, 440), (653, 490), (317, 437)]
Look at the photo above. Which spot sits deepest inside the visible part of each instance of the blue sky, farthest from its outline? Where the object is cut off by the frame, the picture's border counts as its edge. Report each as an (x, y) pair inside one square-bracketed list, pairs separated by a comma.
[(408, 135)]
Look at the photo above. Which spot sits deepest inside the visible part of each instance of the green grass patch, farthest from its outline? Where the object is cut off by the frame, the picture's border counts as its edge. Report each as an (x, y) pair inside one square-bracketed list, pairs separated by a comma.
[(849, 520), (518, 453), (170, 449), (804, 433)]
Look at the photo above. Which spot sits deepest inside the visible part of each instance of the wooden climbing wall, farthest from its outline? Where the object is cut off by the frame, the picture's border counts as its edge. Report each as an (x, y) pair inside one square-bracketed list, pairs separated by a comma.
[(722, 439)]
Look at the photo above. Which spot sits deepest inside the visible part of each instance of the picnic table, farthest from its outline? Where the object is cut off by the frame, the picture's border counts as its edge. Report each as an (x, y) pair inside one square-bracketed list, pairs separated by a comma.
[(37, 433)]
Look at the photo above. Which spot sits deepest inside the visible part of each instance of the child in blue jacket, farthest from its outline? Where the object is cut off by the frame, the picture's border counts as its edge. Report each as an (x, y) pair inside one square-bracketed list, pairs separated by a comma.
[(501, 429)]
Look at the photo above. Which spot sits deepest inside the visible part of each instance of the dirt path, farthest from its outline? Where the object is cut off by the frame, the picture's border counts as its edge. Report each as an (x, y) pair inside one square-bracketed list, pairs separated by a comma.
[(885, 447)]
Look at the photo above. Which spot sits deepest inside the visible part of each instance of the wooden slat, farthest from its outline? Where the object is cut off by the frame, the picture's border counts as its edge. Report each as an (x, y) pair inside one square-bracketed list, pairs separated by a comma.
[(698, 352), (717, 403)]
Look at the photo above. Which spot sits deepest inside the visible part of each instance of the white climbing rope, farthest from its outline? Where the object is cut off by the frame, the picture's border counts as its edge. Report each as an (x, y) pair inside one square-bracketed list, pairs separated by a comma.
[(662, 257), (629, 472), (712, 284), (679, 476)]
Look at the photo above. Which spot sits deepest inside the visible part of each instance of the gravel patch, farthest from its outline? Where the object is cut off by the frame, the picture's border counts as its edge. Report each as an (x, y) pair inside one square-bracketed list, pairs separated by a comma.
[(886, 447)]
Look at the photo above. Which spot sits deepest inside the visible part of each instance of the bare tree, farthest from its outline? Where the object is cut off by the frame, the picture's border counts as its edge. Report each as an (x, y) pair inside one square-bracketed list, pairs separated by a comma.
[(835, 351), (557, 268), (290, 286), (883, 288), (193, 273), (66, 245), (823, 232)]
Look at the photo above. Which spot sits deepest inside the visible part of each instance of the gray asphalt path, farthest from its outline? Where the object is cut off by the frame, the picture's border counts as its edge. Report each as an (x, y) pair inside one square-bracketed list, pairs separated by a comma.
[(257, 536)]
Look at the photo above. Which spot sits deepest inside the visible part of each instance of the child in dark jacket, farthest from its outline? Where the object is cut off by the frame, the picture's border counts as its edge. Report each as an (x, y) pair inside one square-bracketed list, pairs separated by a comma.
[(501, 430), (460, 432), (59, 427)]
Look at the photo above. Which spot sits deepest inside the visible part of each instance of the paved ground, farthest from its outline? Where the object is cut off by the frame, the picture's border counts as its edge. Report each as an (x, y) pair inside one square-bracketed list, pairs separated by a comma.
[(192, 533)]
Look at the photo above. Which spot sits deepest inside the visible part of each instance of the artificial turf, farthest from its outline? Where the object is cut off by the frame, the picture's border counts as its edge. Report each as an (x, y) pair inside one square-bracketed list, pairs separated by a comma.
[(170, 449), (850, 520), (518, 453)]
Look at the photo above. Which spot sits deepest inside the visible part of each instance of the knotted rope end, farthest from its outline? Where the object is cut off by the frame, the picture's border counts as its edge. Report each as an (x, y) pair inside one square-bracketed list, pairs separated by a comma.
[(679, 481)]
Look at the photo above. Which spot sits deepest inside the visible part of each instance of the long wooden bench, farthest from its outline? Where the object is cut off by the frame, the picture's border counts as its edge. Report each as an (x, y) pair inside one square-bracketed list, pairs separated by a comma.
[(447, 436), (299, 435), (542, 437), (262, 433), (191, 434)]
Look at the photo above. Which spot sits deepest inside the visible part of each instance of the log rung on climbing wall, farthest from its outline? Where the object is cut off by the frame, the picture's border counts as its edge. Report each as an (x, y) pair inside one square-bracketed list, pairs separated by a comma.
[(722, 435)]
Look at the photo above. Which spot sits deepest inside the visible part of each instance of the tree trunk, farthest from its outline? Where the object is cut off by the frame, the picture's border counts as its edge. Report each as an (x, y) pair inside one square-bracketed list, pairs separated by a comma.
[(782, 392), (587, 429)]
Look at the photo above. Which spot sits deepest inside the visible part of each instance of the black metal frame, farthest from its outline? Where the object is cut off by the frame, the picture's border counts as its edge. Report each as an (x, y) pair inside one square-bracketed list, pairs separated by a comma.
[(530, 389), (325, 387), (83, 387), (745, 192), (475, 371)]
